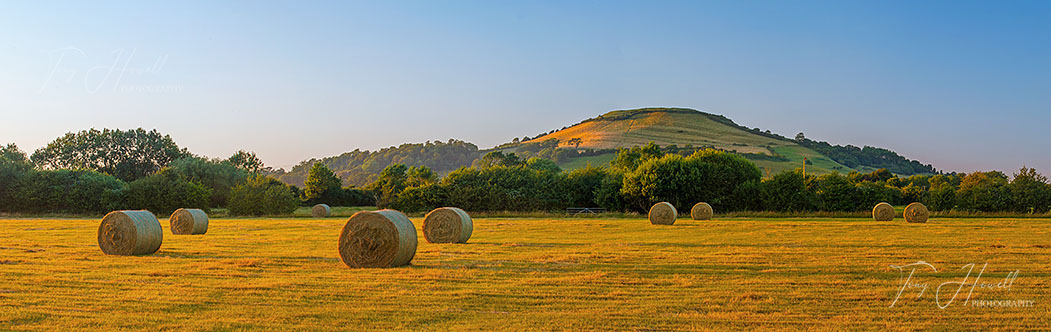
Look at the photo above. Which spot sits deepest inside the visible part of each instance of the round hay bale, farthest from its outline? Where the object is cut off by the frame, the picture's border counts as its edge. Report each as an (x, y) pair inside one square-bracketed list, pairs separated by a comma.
[(130, 233), (384, 238), (917, 213), (883, 212), (663, 213), (447, 225), (321, 211), (189, 222), (702, 211)]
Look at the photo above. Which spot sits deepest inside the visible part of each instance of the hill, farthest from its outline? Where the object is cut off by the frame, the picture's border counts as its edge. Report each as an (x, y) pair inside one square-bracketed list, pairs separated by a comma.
[(596, 140)]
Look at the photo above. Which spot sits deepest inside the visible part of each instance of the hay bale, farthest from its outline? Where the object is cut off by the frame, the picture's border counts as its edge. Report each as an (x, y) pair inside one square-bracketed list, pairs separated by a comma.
[(663, 213), (917, 213), (384, 238), (447, 225), (188, 222), (883, 212), (321, 211), (130, 233), (702, 211)]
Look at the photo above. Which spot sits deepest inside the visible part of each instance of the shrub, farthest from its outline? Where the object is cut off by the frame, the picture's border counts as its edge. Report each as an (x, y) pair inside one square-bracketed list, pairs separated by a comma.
[(68, 191), (262, 195), (165, 191), (219, 176), (788, 191)]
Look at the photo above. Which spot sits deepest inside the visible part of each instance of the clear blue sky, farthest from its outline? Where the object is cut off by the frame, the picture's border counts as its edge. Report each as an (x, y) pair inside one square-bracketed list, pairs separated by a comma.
[(962, 85)]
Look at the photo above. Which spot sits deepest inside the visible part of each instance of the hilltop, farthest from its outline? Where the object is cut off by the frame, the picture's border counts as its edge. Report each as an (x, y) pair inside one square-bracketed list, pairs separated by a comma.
[(594, 141)]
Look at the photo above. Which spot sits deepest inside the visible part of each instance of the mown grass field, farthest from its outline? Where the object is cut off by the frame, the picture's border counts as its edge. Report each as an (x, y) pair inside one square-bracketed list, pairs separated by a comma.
[(529, 274)]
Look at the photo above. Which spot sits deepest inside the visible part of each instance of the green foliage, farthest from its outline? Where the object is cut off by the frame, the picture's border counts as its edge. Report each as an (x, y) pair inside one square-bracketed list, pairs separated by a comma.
[(497, 158), (854, 157), (219, 176), (629, 159), (584, 184), (261, 195), (246, 161), (422, 198), (359, 168), (705, 176), (418, 176), (68, 191), (608, 195), (1030, 191), (788, 191), (836, 193), (164, 192), (984, 191), (322, 186), (391, 182), (14, 165), (503, 188), (127, 154), (941, 195)]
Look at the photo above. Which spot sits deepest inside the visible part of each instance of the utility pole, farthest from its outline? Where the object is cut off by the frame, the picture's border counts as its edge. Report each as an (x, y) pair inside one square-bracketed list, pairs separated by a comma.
[(804, 168)]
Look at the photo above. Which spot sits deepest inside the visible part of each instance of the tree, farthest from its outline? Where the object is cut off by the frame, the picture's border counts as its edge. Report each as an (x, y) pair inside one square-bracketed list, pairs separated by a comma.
[(129, 155), (418, 176), (246, 161), (14, 165), (166, 191), (629, 159), (1030, 191), (942, 193), (584, 184), (391, 182), (322, 185), (800, 137), (497, 158), (261, 195), (219, 176), (81, 191), (836, 193), (984, 191), (575, 142), (788, 191)]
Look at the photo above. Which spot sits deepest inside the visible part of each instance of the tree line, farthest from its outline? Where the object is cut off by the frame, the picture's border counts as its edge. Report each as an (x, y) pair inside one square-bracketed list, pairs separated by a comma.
[(98, 171), (641, 176)]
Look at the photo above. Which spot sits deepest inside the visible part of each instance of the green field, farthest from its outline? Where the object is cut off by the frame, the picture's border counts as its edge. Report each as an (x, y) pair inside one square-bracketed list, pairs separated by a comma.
[(529, 274)]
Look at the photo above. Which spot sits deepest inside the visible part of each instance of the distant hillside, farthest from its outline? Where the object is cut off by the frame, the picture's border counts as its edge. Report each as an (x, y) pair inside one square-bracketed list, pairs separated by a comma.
[(664, 126), (594, 141), (359, 167), (694, 129)]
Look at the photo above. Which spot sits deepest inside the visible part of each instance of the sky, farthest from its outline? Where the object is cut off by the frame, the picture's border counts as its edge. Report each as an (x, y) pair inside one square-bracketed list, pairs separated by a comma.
[(962, 85)]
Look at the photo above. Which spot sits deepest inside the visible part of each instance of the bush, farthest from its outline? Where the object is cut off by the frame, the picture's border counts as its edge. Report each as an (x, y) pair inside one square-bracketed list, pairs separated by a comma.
[(69, 192), (705, 176), (584, 184), (14, 166), (420, 199), (788, 191), (219, 176), (261, 195), (836, 193), (165, 191)]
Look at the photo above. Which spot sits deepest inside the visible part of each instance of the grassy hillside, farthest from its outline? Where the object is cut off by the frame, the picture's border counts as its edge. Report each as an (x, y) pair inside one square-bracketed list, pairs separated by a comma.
[(673, 126), (522, 274), (685, 127)]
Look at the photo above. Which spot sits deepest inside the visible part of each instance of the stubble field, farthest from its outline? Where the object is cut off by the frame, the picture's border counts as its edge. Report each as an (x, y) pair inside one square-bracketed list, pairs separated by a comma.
[(538, 274)]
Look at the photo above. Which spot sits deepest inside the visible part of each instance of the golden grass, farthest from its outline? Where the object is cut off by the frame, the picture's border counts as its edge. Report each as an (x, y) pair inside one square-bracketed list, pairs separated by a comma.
[(525, 274)]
